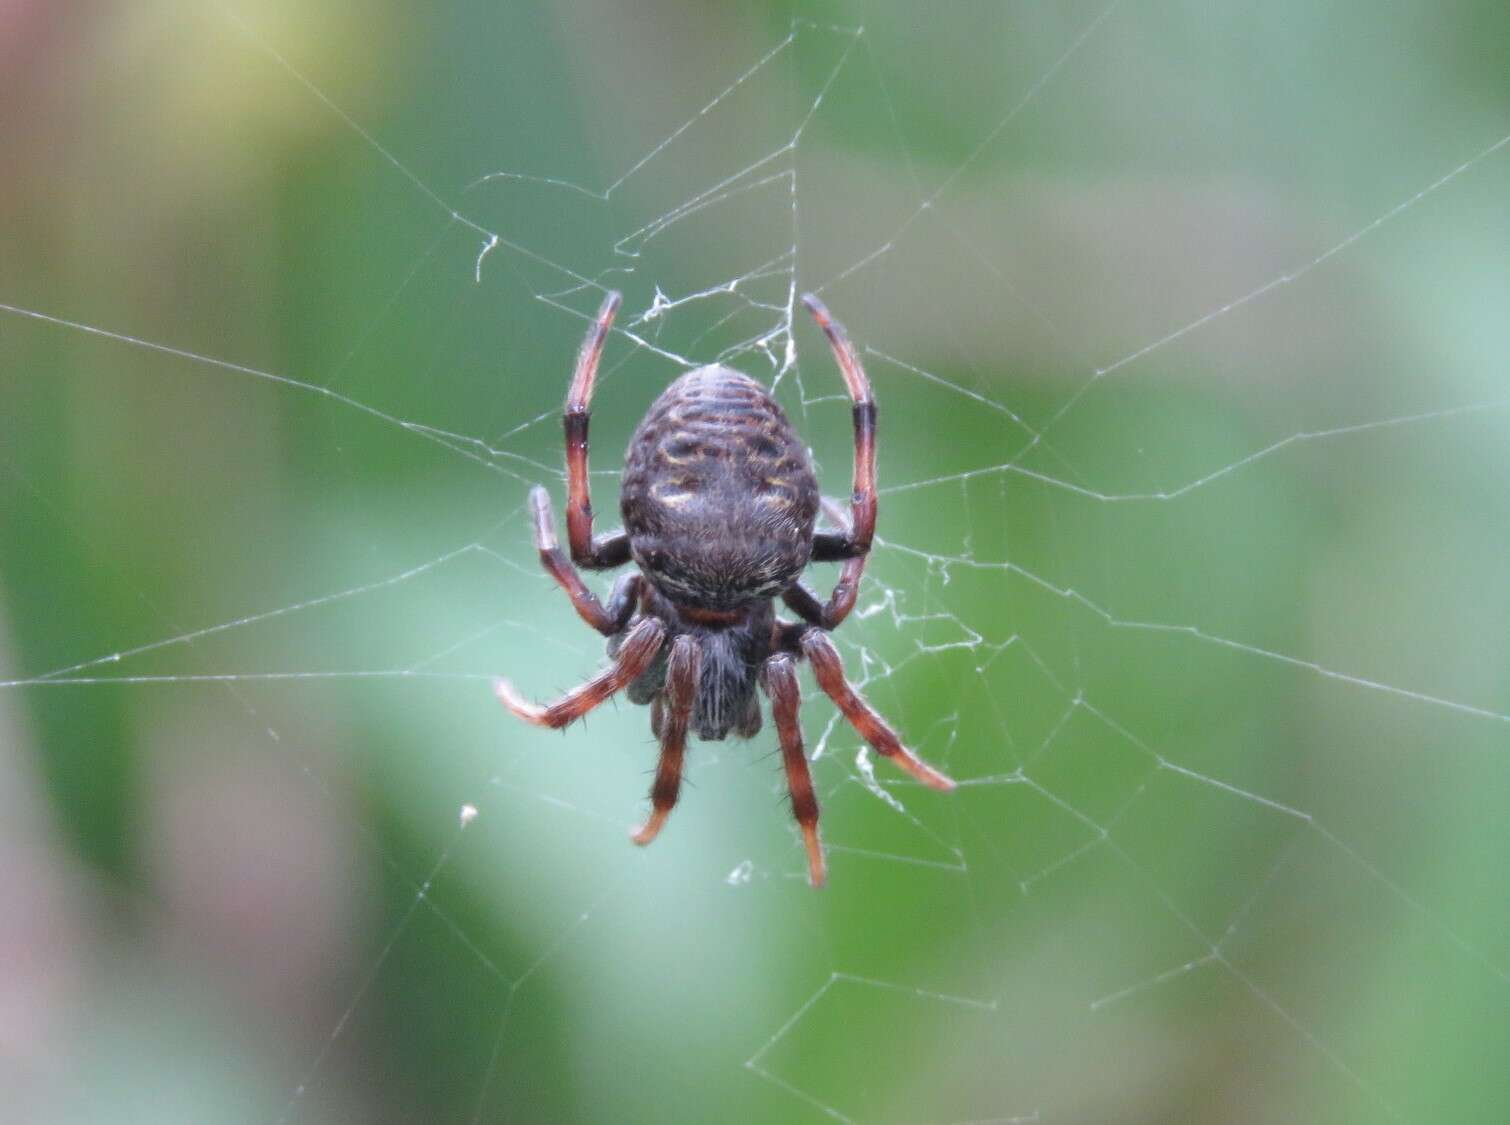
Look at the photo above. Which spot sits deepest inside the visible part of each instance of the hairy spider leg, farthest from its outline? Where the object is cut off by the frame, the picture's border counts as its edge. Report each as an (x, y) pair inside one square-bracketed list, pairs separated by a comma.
[(781, 686), (636, 653), (626, 591), (680, 694), (829, 669), (611, 550), (853, 544)]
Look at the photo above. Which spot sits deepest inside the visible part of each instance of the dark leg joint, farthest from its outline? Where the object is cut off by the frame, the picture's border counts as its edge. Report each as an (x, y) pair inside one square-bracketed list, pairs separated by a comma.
[(805, 805), (833, 546), (575, 424), (663, 792), (865, 421)]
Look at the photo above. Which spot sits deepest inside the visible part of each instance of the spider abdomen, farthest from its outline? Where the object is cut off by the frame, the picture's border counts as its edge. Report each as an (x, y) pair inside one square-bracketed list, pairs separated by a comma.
[(718, 496)]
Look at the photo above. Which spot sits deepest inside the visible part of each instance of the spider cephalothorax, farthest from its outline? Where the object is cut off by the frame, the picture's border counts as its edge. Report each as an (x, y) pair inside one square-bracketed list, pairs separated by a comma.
[(720, 505)]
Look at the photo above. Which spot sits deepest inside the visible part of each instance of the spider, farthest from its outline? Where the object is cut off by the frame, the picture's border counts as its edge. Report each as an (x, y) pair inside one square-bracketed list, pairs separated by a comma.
[(719, 503)]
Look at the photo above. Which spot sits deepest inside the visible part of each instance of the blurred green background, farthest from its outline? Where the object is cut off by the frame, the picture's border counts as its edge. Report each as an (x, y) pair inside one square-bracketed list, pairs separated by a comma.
[(1188, 328)]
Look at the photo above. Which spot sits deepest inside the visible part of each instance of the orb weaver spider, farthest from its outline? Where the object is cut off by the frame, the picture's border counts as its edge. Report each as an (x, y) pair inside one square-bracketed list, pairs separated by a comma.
[(720, 507)]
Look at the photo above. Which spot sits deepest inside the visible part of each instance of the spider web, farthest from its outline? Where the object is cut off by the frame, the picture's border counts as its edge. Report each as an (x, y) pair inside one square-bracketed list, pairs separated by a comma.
[(1189, 569)]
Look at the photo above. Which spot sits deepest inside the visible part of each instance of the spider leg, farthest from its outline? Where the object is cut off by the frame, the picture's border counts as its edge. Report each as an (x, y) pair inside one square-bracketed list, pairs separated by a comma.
[(780, 681), (833, 546), (680, 693), (786, 636), (830, 672), (635, 654), (853, 544), (626, 591), (805, 604), (611, 550)]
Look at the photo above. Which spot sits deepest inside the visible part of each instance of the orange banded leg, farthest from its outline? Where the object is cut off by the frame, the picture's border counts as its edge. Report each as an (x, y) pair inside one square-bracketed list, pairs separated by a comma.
[(852, 545), (635, 654), (614, 549), (829, 670), (781, 685), (626, 591), (681, 693)]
